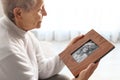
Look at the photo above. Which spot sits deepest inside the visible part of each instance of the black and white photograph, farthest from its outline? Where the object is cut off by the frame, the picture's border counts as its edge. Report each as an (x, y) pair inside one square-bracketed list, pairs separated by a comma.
[(81, 53)]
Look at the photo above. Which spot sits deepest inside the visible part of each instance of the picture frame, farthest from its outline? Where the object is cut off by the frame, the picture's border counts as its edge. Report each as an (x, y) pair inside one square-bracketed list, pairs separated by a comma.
[(89, 49)]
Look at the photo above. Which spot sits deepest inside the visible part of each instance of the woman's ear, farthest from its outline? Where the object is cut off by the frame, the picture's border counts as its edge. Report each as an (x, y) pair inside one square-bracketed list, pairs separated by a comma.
[(17, 12)]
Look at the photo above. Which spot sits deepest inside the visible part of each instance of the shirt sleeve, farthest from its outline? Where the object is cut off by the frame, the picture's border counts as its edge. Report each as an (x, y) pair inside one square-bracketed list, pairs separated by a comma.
[(16, 67), (47, 67)]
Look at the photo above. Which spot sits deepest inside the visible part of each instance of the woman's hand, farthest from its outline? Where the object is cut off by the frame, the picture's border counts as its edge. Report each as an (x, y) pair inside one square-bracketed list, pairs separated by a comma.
[(86, 73), (75, 40)]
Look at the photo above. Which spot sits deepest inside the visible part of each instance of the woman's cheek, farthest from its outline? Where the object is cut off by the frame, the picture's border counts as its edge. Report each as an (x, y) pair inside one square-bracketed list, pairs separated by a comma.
[(40, 16)]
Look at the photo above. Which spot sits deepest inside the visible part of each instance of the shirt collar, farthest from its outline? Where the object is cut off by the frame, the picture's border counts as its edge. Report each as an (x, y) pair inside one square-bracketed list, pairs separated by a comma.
[(13, 27)]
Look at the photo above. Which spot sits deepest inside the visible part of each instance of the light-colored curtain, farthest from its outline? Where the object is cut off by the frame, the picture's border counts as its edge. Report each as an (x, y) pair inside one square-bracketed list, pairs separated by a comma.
[(83, 15), (73, 17), (103, 15), (65, 35)]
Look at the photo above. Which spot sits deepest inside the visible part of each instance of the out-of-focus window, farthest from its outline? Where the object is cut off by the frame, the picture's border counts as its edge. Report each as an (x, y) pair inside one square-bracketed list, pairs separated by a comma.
[(103, 15)]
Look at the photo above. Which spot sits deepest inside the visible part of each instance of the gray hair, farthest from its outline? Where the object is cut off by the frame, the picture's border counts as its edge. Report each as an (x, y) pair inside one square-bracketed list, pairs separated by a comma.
[(9, 5)]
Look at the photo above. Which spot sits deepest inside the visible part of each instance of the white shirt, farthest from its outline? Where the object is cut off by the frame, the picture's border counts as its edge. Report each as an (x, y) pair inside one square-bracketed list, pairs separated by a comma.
[(21, 57)]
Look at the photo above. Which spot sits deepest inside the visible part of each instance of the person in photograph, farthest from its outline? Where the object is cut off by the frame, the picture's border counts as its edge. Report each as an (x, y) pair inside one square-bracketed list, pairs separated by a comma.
[(89, 47), (84, 51), (21, 56), (79, 55)]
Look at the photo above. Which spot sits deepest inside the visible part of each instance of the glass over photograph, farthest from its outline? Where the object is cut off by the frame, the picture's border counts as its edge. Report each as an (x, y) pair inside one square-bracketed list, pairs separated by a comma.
[(84, 51)]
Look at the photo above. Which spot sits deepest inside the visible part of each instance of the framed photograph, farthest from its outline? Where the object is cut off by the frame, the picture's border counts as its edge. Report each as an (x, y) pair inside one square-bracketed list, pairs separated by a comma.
[(90, 49)]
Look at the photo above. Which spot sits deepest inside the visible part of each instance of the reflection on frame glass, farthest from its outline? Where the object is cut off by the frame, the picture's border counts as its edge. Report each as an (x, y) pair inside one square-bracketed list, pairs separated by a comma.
[(84, 51)]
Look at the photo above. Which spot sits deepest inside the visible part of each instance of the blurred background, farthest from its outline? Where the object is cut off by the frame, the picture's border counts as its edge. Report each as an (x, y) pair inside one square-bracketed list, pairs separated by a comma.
[(67, 19)]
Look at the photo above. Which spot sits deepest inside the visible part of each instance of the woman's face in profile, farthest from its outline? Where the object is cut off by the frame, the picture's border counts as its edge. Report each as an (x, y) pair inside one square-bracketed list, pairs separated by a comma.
[(33, 18)]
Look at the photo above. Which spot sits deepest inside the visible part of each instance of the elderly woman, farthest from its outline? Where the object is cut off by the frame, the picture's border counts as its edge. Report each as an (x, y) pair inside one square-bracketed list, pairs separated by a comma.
[(21, 56)]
